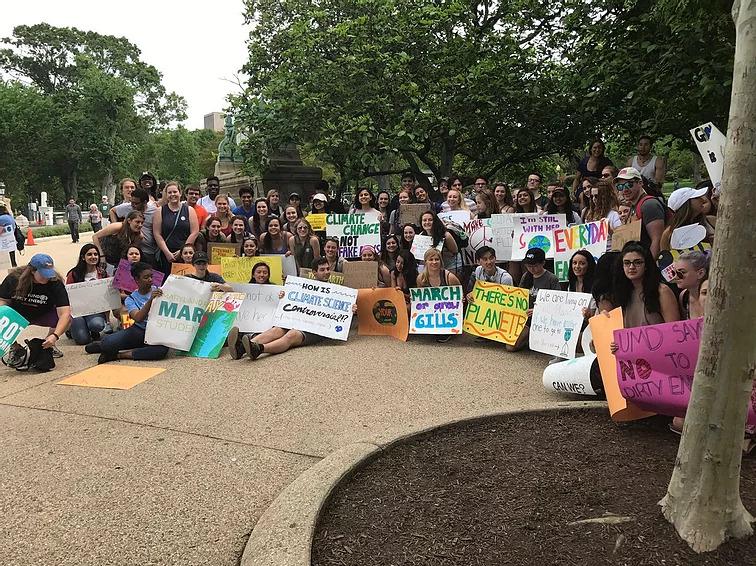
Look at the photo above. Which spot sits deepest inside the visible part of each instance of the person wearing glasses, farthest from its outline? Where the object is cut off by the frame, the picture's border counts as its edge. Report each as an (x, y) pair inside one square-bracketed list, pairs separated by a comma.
[(481, 184), (648, 209)]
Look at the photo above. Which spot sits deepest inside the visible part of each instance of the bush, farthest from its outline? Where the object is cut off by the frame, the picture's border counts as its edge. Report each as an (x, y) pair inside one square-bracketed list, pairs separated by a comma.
[(58, 230)]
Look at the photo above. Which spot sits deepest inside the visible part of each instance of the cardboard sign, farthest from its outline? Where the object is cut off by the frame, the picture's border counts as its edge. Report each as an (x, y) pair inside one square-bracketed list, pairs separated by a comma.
[(335, 278), (93, 297), (624, 234), (216, 250), (535, 232), (411, 213), (421, 244), (7, 239), (353, 232), (175, 317), (360, 274), (556, 322), (123, 281), (711, 145), (591, 237), (602, 328), (218, 319), (502, 231), (188, 269), (382, 312), (319, 308), (258, 308), (498, 312), (11, 325), (436, 310), (572, 376), (478, 234), (457, 216), (317, 221), (111, 376), (239, 269)]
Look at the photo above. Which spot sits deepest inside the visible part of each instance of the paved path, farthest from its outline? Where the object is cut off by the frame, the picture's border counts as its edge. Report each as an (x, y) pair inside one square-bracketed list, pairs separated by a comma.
[(178, 469)]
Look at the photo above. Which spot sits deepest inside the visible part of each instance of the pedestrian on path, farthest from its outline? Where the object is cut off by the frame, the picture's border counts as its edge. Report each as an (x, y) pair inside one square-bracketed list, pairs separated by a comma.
[(74, 217)]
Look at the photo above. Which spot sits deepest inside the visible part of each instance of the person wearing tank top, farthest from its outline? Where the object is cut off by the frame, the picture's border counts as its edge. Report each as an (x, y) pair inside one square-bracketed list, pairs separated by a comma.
[(652, 167), (175, 224), (434, 275)]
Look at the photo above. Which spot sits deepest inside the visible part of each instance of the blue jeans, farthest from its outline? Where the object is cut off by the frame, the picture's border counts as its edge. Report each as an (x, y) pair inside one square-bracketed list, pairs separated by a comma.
[(132, 339), (82, 327)]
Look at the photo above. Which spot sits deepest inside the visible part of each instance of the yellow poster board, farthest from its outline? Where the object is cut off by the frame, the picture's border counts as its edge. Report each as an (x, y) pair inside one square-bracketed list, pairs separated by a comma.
[(498, 312), (215, 251), (239, 269), (317, 221)]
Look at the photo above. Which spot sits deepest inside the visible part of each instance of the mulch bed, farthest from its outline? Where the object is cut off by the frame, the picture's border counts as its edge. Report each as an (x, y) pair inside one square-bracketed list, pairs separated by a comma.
[(505, 490)]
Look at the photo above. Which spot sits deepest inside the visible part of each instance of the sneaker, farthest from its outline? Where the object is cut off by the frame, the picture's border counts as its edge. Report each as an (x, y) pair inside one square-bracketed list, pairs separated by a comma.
[(444, 339), (93, 348), (106, 357), (235, 347), (108, 329), (56, 352), (252, 349), (16, 356)]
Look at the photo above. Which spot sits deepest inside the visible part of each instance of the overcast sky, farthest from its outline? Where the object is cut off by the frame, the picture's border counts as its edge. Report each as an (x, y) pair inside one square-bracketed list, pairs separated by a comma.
[(196, 46)]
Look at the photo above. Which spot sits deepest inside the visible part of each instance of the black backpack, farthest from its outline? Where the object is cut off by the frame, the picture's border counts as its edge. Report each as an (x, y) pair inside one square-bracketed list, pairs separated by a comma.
[(32, 357), (20, 240)]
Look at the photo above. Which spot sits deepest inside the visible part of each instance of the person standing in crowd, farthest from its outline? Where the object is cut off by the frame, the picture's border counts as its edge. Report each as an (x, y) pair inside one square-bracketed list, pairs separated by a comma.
[(174, 226), (535, 279), (274, 203), (259, 223), (95, 218), (140, 200), (331, 253), (304, 244), (36, 292), (223, 213), (603, 203), (649, 210), (652, 167), (383, 198), (390, 251), (407, 183), (239, 231), (149, 183), (404, 274), (533, 185), (85, 329), (421, 196), (74, 217), (278, 340), (192, 200), (592, 164), (691, 270), (439, 195), (455, 200), (296, 201), (404, 197), (364, 202), (128, 344), (211, 234), (291, 215), (485, 204), (274, 241), (319, 204), (213, 190), (690, 207), (480, 184), (127, 186), (8, 224), (116, 238), (104, 208), (525, 201), (503, 198), (560, 203), (247, 208)]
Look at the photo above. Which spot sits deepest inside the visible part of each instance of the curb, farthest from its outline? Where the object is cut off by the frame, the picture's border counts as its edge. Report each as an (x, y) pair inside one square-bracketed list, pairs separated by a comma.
[(284, 533)]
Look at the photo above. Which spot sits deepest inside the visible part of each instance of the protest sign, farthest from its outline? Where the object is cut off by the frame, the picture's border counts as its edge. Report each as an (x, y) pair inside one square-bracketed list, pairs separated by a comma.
[(317, 221), (218, 319), (320, 308), (382, 312), (572, 376), (354, 231), (624, 234), (123, 280), (188, 269), (411, 213), (497, 312), (591, 237), (535, 232), (687, 236), (239, 269), (216, 250), (360, 274), (436, 310), (602, 328), (288, 265), (259, 306), (335, 278), (7, 239), (478, 235), (11, 325), (667, 259), (457, 216), (556, 322), (502, 229), (421, 244), (175, 316), (711, 145), (93, 297)]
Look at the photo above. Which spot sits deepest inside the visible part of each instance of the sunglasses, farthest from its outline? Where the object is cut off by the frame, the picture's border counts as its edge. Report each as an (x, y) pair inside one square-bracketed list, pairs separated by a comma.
[(625, 186)]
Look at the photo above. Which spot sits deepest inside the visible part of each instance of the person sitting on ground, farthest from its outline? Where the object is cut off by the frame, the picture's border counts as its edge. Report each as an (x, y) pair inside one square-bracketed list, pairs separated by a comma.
[(487, 270), (582, 268), (535, 279), (128, 344), (201, 273), (84, 329), (187, 253), (691, 270), (278, 340), (434, 275), (404, 274), (331, 253), (36, 292), (260, 276)]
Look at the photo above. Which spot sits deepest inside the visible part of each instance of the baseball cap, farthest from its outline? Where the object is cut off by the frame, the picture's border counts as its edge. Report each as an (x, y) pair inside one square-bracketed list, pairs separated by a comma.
[(44, 264), (679, 197), (294, 196), (628, 173), (535, 255), (200, 257), (319, 196)]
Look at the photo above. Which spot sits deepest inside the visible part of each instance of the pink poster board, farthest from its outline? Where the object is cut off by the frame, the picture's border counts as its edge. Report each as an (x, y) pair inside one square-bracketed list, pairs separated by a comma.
[(656, 364), (123, 280)]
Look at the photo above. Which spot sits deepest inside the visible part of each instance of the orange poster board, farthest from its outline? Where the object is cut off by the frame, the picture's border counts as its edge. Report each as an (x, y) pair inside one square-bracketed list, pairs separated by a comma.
[(188, 269), (602, 329), (382, 312)]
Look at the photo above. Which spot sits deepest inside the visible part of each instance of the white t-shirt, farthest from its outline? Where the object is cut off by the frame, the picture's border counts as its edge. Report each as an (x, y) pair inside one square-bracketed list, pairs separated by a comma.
[(502, 276), (209, 204)]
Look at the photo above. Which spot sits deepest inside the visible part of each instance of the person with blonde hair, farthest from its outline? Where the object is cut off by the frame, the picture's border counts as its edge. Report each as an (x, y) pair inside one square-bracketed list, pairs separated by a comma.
[(434, 275), (174, 225), (304, 244)]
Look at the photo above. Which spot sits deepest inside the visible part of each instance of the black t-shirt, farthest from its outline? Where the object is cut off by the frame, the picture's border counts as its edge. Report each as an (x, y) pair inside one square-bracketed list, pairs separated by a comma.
[(209, 277), (40, 299)]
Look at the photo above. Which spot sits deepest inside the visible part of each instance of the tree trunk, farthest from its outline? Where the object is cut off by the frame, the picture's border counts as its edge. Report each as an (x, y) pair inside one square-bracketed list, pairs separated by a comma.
[(696, 169), (108, 187), (448, 151), (703, 497), (71, 185)]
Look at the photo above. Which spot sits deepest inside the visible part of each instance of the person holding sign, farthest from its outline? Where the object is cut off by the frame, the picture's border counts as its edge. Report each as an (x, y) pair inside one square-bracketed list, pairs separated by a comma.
[(367, 253), (487, 270), (434, 275), (84, 329), (129, 344), (441, 239), (648, 209), (485, 204), (405, 196), (279, 340), (304, 244), (37, 293)]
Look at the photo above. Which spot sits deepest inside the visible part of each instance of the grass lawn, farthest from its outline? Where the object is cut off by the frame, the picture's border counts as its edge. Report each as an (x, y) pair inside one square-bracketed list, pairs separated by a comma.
[(668, 187)]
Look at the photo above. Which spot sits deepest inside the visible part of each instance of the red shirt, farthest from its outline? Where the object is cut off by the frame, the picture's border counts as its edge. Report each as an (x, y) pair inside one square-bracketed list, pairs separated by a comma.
[(202, 214)]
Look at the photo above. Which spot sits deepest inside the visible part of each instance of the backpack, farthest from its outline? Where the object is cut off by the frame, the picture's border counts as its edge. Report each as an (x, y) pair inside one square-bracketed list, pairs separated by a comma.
[(668, 213), (32, 357), (20, 240), (459, 235)]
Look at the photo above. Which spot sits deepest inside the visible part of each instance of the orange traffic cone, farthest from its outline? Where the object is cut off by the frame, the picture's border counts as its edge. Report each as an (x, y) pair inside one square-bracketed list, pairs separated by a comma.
[(30, 238)]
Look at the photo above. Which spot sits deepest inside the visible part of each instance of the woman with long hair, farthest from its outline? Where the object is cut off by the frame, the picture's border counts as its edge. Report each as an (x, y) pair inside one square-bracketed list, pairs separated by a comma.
[(238, 229), (691, 270), (455, 200), (524, 201), (174, 225), (187, 253), (434, 275), (260, 274), (408, 231), (364, 202), (593, 163), (211, 234), (486, 204), (84, 329), (504, 198), (390, 251), (383, 200), (304, 244), (603, 203), (117, 237), (367, 253), (690, 207), (559, 203), (133, 254), (224, 214), (331, 253), (319, 204), (259, 222), (250, 247), (405, 196), (442, 240), (275, 241), (404, 274), (580, 275), (291, 215)]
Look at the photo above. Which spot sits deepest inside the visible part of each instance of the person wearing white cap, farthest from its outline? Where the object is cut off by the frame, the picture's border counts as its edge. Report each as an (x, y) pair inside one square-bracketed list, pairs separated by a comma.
[(646, 208), (690, 207)]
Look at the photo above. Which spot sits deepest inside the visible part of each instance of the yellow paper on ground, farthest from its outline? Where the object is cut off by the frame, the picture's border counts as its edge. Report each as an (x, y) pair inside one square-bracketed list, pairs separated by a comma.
[(239, 269), (108, 376), (602, 329), (317, 221)]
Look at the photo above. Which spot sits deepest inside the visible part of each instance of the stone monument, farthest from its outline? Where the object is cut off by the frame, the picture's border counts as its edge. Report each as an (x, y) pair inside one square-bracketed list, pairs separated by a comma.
[(286, 172)]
